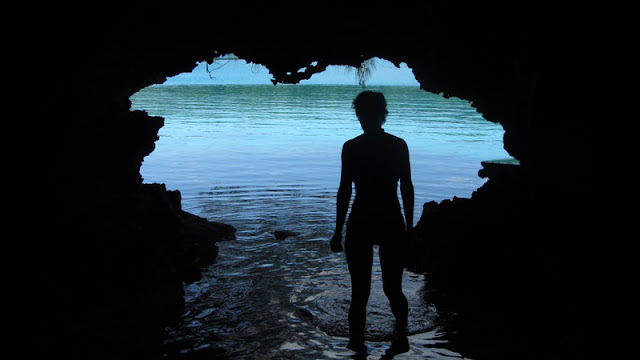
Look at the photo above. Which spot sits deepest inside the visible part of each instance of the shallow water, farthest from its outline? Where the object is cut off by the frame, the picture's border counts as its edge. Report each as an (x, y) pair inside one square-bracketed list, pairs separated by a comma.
[(265, 158), (288, 299)]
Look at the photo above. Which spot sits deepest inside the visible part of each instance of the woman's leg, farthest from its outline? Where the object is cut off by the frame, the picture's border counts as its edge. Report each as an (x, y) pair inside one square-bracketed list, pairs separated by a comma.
[(392, 261), (360, 259)]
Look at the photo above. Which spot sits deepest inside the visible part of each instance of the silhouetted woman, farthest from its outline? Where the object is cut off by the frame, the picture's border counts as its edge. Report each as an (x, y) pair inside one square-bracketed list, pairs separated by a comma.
[(375, 161)]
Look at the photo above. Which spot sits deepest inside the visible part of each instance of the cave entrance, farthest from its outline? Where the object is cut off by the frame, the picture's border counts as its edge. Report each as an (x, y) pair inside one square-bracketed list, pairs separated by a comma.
[(266, 158), (229, 131)]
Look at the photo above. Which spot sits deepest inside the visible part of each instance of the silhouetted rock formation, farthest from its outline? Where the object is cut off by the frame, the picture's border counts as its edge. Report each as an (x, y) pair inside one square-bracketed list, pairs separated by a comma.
[(490, 263), (108, 281), (109, 254), (283, 234)]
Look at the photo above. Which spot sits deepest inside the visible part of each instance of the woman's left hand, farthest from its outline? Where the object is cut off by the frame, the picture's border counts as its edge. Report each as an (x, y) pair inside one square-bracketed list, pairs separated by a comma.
[(336, 243)]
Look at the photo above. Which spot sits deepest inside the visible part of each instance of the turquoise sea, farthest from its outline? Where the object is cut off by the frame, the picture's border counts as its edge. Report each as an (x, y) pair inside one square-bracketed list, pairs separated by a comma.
[(290, 136), (265, 158)]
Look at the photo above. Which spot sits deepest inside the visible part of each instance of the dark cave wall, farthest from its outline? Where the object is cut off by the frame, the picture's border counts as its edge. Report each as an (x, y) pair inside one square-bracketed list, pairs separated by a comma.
[(514, 64)]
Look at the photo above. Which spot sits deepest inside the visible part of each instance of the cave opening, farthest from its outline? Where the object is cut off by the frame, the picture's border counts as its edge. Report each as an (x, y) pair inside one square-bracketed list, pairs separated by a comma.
[(523, 66), (266, 159), (226, 126)]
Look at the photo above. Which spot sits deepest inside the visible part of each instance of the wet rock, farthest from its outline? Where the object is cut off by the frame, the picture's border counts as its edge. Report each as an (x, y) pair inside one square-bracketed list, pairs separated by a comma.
[(125, 286), (490, 249), (283, 234)]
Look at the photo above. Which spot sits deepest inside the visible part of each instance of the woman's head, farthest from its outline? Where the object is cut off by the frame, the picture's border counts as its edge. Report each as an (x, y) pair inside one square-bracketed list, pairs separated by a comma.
[(371, 109)]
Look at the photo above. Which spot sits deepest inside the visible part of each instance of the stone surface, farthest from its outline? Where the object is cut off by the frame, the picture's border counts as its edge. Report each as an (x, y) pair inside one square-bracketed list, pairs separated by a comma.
[(283, 234)]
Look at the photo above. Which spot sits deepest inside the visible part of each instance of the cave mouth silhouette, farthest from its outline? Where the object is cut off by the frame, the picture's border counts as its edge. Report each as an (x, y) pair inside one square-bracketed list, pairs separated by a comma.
[(196, 106), (526, 66), (232, 191)]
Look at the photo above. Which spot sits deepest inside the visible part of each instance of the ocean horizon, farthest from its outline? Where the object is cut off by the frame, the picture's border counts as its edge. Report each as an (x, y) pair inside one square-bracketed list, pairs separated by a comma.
[(264, 135)]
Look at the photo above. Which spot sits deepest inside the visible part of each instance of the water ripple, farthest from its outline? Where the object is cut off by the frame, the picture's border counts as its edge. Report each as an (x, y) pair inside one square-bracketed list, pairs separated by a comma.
[(272, 299)]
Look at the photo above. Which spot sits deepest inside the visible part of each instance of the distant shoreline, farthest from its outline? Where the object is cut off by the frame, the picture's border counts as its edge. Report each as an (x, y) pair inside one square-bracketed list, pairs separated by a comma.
[(280, 84), (239, 72)]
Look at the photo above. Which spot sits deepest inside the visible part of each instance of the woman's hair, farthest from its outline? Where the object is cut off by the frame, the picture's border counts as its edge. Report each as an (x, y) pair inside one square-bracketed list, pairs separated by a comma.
[(369, 105)]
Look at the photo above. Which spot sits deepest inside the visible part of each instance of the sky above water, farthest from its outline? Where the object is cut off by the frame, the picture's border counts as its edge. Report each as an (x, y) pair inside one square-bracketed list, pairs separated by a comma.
[(241, 72)]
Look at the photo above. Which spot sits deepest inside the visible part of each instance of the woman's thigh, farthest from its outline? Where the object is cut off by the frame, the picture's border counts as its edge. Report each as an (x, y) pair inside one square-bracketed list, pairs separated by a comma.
[(360, 261)]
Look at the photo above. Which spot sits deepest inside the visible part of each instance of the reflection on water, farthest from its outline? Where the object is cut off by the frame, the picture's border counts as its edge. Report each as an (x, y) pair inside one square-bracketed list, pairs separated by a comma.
[(288, 299)]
